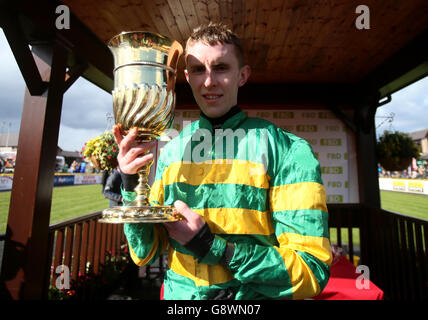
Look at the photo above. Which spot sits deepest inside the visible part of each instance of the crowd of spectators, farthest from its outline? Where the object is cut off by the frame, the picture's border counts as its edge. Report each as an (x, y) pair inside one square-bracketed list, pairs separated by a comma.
[(420, 172), (76, 167)]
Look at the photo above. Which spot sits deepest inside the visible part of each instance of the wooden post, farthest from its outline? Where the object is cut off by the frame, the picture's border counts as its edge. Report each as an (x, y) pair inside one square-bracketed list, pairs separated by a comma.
[(368, 177), (25, 257)]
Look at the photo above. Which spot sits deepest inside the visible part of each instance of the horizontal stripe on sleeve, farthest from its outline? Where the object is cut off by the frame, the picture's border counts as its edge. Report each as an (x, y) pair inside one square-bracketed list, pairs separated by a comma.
[(297, 196), (142, 261), (303, 283), (200, 274), (306, 222), (319, 247), (144, 253), (306, 260)]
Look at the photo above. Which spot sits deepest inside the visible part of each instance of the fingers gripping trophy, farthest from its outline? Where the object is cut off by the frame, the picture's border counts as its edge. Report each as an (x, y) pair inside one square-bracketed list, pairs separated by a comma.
[(143, 97)]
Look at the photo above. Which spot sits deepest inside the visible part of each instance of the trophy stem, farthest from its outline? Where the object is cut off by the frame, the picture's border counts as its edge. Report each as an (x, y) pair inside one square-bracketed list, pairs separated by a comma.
[(142, 190)]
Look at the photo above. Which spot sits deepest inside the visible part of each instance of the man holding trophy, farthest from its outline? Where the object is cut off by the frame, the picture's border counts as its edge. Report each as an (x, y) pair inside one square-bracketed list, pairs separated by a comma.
[(250, 221)]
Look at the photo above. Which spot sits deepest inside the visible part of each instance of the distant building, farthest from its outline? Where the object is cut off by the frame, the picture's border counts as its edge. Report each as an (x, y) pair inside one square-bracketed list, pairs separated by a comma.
[(9, 147), (420, 137), (69, 156), (9, 144)]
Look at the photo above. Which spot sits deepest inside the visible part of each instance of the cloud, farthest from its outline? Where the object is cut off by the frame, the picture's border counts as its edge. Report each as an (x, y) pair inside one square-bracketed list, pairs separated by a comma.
[(83, 116), (73, 139), (409, 107), (85, 106), (12, 86)]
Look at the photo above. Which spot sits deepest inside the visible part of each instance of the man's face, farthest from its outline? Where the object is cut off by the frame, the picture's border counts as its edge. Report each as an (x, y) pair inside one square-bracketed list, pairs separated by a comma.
[(214, 75)]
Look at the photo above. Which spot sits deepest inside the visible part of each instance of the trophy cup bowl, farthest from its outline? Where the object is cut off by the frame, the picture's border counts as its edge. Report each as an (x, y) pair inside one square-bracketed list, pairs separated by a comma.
[(143, 97)]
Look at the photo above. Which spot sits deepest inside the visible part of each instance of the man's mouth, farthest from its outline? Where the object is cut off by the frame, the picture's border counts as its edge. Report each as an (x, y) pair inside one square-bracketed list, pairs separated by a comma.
[(212, 97)]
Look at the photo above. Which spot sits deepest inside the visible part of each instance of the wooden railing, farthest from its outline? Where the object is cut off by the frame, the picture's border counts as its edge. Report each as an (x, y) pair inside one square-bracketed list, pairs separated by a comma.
[(82, 244), (344, 224), (392, 245), (399, 255)]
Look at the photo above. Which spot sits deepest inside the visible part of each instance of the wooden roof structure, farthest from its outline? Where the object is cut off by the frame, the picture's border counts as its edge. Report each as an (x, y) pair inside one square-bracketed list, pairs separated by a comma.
[(285, 41), (288, 42), (299, 51)]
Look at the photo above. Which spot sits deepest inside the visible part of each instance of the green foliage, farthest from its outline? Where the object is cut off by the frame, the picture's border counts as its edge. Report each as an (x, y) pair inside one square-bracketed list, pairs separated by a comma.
[(396, 145)]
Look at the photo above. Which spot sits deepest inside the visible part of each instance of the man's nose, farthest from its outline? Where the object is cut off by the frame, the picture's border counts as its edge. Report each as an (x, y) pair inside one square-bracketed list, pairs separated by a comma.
[(210, 79)]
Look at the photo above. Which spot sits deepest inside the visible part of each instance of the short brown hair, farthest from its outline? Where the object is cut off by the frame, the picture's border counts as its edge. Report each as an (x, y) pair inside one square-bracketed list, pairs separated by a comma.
[(215, 33)]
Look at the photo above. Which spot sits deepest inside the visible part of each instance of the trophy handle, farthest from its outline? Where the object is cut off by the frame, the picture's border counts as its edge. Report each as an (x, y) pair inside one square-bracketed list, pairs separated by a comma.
[(175, 52)]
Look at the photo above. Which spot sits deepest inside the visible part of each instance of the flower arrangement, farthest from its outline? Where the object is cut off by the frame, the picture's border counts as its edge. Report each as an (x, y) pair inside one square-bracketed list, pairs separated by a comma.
[(395, 150), (101, 151)]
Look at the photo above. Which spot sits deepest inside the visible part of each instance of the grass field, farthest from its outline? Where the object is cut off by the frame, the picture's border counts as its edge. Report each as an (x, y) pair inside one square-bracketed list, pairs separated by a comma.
[(67, 203), (415, 205)]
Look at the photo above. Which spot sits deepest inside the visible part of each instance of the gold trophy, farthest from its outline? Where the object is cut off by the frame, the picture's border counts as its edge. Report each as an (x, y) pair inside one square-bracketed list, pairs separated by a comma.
[(143, 97)]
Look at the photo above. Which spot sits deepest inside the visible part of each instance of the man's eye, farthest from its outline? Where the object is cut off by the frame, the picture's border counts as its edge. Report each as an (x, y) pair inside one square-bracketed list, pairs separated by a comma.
[(221, 67), (198, 69)]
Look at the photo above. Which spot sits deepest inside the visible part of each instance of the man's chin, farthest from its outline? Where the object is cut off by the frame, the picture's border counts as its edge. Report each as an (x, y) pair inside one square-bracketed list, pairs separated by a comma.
[(214, 111), (214, 114)]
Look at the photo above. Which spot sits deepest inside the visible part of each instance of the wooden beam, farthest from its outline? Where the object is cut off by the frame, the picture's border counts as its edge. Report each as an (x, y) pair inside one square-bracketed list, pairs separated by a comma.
[(73, 74), (22, 53), (24, 265), (38, 24), (410, 57)]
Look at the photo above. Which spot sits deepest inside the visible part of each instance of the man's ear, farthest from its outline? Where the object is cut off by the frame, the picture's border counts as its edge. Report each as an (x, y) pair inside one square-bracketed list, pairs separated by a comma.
[(245, 73), (186, 74)]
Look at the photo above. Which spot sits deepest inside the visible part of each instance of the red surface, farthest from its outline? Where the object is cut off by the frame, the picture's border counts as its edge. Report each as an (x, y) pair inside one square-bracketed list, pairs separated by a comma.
[(342, 284)]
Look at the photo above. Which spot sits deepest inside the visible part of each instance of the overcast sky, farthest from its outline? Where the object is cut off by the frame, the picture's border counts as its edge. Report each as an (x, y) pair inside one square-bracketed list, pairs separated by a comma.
[(85, 106)]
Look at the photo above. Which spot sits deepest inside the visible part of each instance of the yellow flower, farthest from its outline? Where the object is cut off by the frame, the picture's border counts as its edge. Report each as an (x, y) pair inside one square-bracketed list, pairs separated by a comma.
[(104, 148)]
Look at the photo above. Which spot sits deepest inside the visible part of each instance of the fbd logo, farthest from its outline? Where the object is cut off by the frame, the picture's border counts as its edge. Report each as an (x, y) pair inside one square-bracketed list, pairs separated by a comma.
[(334, 198), (331, 142), (307, 128), (332, 170), (283, 115)]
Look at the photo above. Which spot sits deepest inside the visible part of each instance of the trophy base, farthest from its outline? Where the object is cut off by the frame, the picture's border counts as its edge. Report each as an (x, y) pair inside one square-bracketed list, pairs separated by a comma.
[(142, 214)]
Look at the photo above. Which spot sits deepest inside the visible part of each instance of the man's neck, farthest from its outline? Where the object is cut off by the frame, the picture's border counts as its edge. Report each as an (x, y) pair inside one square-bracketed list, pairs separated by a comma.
[(218, 122)]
